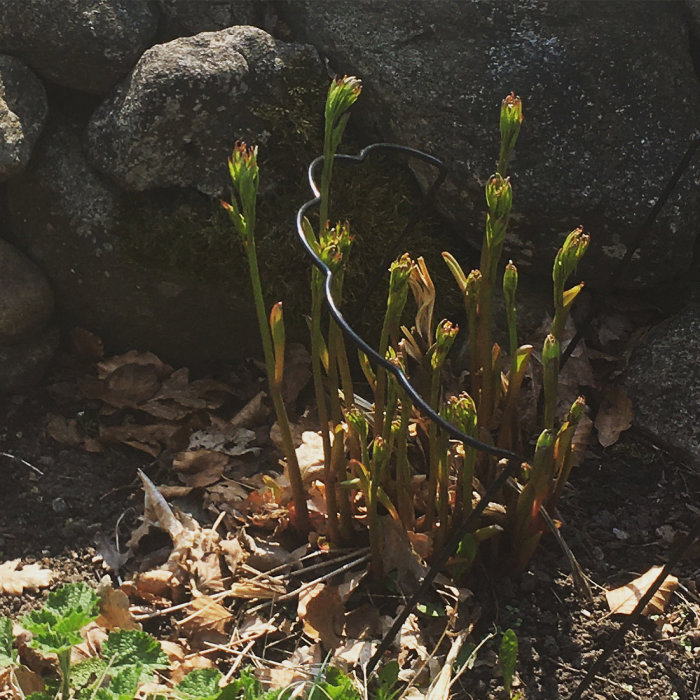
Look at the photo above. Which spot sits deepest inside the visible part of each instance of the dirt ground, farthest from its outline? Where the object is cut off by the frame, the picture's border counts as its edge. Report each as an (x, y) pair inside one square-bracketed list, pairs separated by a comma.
[(623, 510)]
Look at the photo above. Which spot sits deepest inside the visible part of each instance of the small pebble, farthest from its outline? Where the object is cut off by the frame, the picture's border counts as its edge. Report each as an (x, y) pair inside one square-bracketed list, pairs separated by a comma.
[(58, 505)]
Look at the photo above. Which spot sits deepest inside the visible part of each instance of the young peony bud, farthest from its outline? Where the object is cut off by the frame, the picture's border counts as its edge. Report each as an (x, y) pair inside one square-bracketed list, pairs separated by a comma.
[(499, 196), (511, 119), (445, 335)]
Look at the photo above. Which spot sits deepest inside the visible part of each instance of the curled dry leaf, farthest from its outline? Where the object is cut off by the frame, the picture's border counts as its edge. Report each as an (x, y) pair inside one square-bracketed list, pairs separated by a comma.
[(297, 371), (322, 613), (310, 456), (199, 468), (31, 577), (614, 416), (151, 439), (623, 600), (63, 430), (253, 413), (178, 397), (133, 357), (22, 679), (114, 608), (302, 666)]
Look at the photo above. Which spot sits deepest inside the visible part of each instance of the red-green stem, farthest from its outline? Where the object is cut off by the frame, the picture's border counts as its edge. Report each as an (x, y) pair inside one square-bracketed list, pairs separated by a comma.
[(316, 343), (403, 468), (434, 451), (295, 480), (64, 666), (443, 467)]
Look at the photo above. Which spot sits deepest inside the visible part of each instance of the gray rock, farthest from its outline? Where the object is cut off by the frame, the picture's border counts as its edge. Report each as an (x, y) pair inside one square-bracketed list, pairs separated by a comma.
[(75, 236), (187, 17), (24, 364), (87, 45), (26, 302), (174, 121), (663, 381), (610, 97), (23, 109)]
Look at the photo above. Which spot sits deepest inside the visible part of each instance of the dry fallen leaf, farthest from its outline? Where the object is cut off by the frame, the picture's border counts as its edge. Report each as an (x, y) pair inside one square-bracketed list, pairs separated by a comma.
[(31, 577), (310, 455), (21, 678), (114, 608), (199, 468), (322, 614), (623, 600), (205, 613), (63, 430), (133, 357), (614, 416), (253, 413)]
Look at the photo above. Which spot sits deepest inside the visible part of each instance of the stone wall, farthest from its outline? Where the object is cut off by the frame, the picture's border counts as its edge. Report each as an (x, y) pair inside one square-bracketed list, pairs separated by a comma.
[(116, 117)]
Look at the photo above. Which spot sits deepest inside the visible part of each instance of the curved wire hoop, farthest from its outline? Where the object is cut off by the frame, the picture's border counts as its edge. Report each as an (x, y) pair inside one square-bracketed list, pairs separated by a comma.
[(337, 315)]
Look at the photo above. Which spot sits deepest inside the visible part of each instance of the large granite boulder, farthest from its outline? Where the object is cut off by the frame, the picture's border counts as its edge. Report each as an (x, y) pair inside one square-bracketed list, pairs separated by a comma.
[(663, 381), (23, 109), (611, 100), (174, 121), (87, 45), (72, 222)]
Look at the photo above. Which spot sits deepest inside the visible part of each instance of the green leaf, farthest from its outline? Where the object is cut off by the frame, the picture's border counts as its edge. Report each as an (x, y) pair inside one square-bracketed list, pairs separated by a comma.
[(40, 696), (202, 683), (125, 648), (465, 657), (387, 678), (248, 687), (87, 672), (430, 609), (55, 626), (8, 655), (336, 686), (53, 642), (74, 598), (508, 656), (125, 681)]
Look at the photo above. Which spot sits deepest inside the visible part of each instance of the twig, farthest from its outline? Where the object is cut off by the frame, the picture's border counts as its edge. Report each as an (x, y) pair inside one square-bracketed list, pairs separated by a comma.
[(309, 584), (23, 461), (237, 662)]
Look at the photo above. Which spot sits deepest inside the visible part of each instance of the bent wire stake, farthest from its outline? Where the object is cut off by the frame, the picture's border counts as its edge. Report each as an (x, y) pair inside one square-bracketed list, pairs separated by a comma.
[(514, 460), (402, 379)]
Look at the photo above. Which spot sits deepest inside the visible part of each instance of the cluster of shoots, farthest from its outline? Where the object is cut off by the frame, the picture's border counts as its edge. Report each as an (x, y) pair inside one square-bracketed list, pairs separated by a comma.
[(381, 457)]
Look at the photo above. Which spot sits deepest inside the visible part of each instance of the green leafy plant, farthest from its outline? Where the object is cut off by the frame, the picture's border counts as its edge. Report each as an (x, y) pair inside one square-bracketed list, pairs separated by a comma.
[(128, 657)]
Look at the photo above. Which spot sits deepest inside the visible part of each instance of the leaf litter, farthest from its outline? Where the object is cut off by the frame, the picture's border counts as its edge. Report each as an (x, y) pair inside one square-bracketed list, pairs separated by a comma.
[(213, 579)]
